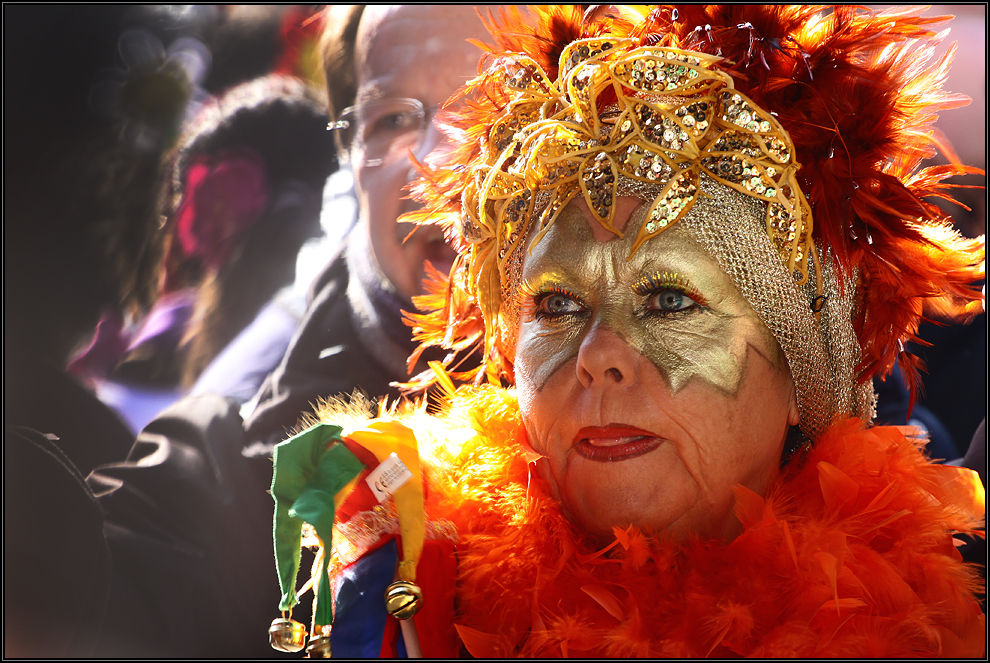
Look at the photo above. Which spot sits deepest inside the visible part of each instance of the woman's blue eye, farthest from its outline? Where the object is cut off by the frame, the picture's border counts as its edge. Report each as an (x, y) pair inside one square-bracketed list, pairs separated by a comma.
[(554, 305), (670, 301)]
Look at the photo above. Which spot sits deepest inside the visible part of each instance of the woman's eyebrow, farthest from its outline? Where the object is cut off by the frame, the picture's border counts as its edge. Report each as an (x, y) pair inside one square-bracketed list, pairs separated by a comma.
[(536, 282), (658, 279)]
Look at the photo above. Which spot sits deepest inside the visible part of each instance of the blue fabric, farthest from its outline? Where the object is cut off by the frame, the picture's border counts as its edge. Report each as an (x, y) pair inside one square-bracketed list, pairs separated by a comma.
[(135, 404), (359, 619), (240, 368)]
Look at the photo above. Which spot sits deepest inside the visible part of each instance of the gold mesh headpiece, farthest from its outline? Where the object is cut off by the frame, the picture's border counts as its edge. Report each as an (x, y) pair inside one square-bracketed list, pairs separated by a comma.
[(667, 117)]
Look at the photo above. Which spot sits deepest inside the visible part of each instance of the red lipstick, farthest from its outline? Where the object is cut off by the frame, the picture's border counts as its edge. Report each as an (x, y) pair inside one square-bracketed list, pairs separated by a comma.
[(615, 442)]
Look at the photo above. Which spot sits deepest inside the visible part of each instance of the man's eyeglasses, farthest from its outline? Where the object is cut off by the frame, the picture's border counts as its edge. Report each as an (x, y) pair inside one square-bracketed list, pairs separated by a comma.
[(384, 129)]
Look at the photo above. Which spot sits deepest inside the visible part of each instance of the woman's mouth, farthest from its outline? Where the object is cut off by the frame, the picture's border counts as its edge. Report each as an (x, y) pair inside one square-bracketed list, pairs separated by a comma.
[(615, 442)]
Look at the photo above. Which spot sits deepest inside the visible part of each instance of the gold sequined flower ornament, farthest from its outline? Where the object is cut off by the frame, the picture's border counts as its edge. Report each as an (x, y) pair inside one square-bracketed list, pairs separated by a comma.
[(619, 120)]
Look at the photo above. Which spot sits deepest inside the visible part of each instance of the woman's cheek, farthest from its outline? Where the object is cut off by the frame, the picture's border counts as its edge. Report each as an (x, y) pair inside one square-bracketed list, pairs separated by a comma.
[(541, 352), (533, 407), (544, 470), (536, 441)]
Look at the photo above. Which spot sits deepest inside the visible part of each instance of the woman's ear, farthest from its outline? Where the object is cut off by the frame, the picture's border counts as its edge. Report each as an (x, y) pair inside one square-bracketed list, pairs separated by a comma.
[(793, 413)]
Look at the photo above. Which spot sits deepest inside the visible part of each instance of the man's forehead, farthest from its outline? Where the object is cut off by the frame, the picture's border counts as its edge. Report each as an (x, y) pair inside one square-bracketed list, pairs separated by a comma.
[(405, 47), (411, 31), (371, 90)]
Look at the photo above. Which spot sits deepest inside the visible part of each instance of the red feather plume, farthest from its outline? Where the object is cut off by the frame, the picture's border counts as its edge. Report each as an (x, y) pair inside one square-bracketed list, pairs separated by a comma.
[(858, 95)]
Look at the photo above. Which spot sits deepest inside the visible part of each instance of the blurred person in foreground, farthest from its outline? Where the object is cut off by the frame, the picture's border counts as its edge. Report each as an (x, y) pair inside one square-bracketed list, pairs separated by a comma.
[(194, 485), (239, 195), (388, 71), (57, 161)]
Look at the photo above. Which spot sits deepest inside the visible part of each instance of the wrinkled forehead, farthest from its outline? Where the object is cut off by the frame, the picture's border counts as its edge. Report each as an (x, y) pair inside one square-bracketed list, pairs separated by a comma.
[(577, 248), (576, 230), (626, 207)]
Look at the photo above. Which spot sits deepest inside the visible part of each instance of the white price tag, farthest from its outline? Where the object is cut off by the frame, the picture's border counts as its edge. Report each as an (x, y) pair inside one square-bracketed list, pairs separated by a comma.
[(387, 477)]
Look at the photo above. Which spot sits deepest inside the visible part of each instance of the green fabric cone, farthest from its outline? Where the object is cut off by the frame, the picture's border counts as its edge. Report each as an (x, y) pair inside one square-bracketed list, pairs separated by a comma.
[(315, 506), (306, 477)]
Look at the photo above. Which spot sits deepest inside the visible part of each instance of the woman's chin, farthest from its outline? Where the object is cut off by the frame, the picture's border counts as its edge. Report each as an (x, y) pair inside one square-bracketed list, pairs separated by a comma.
[(598, 498), (600, 506)]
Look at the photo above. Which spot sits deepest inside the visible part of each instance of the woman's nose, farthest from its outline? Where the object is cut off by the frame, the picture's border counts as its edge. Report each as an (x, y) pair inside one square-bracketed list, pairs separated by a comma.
[(605, 358)]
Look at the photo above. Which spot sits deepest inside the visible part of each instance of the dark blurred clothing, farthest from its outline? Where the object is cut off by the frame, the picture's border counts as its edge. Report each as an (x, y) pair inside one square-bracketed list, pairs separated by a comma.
[(976, 455), (40, 396), (189, 517), (189, 527), (57, 563), (326, 357), (955, 376), (892, 409), (975, 548), (240, 369), (55, 558)]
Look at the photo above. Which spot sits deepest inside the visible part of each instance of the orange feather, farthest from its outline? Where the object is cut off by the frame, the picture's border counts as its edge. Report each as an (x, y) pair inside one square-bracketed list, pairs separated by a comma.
[(809, 576)]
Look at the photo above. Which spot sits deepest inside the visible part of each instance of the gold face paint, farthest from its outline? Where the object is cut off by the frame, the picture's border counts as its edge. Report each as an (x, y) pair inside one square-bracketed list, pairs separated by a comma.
[(670, 301)]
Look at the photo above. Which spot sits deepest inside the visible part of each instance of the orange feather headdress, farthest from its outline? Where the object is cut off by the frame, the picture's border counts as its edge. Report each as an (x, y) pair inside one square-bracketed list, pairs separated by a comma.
[(852, 92)]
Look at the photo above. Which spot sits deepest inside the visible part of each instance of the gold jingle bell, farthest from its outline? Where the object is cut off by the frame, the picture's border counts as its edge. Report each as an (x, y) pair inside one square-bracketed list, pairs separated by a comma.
[(287, 635), (319, 646), (403, 599)]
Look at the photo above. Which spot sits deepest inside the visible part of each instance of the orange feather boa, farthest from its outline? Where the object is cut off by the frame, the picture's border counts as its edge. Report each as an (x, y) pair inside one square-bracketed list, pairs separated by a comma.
[(850, 554)]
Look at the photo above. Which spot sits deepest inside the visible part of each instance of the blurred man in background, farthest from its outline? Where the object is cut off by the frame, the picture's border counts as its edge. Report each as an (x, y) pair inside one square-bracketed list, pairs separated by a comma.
[(388, 71)]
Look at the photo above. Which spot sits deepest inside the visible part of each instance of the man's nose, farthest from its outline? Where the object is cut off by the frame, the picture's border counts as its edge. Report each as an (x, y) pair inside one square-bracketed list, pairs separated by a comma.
[(432, 145), (433, 140)]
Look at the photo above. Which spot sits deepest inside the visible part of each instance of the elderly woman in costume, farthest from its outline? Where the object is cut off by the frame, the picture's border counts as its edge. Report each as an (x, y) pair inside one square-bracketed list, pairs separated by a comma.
[(688, 238)]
